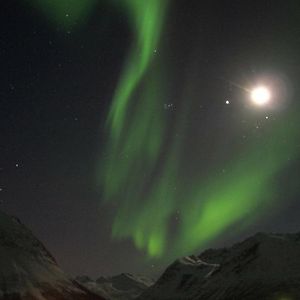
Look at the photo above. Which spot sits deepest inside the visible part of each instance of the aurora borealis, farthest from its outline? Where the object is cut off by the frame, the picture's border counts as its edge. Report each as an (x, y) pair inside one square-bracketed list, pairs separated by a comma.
[(137, 132), (184, 156), (135, 168)]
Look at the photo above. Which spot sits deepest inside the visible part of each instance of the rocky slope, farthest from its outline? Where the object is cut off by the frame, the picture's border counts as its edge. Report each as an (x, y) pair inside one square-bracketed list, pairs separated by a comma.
[(28, 271), (121, 287), (263, 267)]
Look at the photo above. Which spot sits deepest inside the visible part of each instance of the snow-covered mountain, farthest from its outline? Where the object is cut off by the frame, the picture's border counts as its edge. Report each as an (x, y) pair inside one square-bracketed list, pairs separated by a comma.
[(263, 267), (28, 271), (121, 287)]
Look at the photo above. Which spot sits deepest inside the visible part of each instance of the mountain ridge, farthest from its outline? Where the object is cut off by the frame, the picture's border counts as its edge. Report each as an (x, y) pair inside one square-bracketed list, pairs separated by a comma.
[(28, 271), (262, 267)]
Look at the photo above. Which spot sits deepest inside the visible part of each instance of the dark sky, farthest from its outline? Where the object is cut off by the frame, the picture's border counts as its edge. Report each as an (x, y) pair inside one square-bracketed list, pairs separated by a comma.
[(55, 92)]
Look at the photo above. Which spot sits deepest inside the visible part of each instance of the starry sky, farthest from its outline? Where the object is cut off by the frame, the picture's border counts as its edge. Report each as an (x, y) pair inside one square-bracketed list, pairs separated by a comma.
[(128, 136)]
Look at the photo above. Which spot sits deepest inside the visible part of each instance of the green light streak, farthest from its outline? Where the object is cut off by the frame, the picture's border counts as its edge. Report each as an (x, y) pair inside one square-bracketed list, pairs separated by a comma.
[(135, 139), (223, 201), (146, 18)]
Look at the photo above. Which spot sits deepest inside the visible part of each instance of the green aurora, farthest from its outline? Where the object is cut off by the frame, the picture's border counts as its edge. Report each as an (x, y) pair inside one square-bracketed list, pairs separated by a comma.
[(143, 171)]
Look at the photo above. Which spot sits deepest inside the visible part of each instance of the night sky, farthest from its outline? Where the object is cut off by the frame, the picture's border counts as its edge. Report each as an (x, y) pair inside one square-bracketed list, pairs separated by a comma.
[(129, 138)]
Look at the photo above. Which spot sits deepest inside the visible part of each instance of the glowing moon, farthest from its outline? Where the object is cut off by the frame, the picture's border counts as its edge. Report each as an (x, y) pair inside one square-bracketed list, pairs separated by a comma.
[(260, 95)]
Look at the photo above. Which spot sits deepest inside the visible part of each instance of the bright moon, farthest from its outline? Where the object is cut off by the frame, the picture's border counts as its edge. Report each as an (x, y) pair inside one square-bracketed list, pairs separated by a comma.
[(260, 95)]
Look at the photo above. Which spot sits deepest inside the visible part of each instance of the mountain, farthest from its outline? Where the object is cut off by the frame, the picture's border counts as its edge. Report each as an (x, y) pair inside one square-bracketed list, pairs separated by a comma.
[(28, 271), (121, 287), (263, 267)]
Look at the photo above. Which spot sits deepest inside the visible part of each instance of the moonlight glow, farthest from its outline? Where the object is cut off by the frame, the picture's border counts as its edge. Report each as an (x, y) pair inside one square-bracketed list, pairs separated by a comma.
[(260, 95)]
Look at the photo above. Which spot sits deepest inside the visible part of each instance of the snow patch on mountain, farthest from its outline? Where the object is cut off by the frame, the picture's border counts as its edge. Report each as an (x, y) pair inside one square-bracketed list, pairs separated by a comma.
[(120, 287)]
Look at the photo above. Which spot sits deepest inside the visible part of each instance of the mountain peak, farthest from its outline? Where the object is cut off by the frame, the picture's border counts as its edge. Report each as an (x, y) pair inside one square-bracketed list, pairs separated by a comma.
[(28, 270), (264, 266)]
